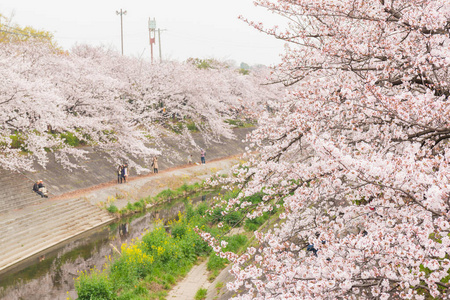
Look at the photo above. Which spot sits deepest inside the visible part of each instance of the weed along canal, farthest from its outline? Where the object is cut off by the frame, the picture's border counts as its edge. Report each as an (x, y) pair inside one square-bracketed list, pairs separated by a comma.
[(51, 274)]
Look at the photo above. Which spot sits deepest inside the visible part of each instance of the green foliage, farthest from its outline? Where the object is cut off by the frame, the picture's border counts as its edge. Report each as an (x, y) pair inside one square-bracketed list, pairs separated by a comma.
[(139, 205), (160, 257), (201, 294), (94, 285), (235, 243), (233, 218), (202, 208), (150, 266), (240, 123), (192, 127), (216, 263), (244, 71), (206, 63), (254, 224), (177, 126), (17, 141), (167, 194), (184, 187), (71, 140), (129, 206), (216, 215), (112, 209)]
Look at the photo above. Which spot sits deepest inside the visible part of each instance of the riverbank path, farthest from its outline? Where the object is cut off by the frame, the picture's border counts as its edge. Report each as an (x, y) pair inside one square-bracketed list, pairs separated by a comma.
[(35, 229)]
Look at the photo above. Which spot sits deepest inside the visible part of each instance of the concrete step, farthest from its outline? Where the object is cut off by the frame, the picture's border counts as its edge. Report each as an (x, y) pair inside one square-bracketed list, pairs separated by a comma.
[(62, 232), (10, 177), (35, 230), (16, 191), (11, 204), (39, 219), (39, 211), (52, 228), (52, 219), (15, 187), (19, 252)]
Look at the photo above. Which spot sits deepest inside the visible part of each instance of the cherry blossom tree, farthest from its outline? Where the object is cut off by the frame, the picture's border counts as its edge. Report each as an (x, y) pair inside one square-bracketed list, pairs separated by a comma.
[(117, 104), (356, 156)]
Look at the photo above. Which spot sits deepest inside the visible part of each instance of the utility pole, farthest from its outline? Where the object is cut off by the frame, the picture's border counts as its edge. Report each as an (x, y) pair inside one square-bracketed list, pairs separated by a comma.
[(121, 13), (151, 34), (159, 42)]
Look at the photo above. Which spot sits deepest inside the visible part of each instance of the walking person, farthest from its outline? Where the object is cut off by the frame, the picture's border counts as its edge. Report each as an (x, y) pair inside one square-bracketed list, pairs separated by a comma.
[(190, 159), (125, 173), (202, 156), (119, 174), (155, 164)]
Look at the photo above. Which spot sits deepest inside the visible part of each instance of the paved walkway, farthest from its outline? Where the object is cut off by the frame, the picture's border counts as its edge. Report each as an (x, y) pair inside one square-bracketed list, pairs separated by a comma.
[(150, 185), (196, 279)]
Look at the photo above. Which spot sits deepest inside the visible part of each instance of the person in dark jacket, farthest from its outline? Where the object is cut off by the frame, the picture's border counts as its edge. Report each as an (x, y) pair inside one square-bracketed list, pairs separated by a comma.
[(119, 174), (40, 189)]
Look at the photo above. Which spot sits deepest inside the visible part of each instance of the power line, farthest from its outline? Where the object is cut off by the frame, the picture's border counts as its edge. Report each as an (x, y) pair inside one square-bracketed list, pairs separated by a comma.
[(27, 34)]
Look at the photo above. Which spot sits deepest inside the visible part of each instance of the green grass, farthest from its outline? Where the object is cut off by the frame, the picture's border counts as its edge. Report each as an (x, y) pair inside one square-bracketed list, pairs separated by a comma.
[(201, 294)]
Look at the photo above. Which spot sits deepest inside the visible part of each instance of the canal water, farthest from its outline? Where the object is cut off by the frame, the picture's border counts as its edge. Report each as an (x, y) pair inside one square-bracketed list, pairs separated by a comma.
[(50, 275)]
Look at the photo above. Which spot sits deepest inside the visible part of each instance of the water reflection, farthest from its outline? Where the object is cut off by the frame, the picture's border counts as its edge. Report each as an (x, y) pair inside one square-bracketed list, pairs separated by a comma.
[(50, 275)]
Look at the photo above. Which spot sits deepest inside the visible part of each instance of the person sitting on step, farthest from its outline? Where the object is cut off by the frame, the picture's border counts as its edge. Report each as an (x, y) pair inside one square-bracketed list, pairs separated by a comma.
[(40, 189)]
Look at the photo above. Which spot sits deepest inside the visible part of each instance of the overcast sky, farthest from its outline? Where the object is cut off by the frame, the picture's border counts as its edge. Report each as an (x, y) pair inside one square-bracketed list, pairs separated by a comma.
[(192, 28)]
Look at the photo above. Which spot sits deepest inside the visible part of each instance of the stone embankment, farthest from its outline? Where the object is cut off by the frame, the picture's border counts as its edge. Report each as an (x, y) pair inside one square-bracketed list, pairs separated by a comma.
[(30, 224)]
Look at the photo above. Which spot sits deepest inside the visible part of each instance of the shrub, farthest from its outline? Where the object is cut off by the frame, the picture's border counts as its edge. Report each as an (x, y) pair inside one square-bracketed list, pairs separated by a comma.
[(254, 224), (217, 215), (139, 205), (235, 242), (129, 206), (192, 127), (133, 265), (202, 208), (94, 286), (233, 218), (113, 209), (17, 141), (71, 139), (215, 262)]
